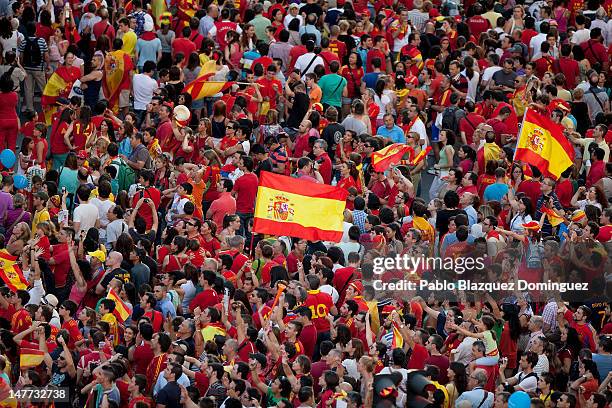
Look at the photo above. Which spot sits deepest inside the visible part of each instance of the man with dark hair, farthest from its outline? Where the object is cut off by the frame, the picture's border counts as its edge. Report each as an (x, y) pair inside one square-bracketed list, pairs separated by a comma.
[(85, 214), (33, 55), (160, 344), (67, 310), (245, 191), (143, 86), (170, 395), (434, 345), (148, 193), (140, 158), (525, 380)]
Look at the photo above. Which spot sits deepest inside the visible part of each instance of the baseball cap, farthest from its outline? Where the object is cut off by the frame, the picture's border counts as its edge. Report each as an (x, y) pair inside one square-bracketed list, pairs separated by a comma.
[(50, 300), (259, 357), (516, 48), (101, 256), (82, 154)]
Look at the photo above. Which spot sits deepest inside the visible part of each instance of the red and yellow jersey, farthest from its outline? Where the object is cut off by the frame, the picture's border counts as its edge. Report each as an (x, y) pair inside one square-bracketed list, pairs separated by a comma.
[(21, 321), (319, 304)]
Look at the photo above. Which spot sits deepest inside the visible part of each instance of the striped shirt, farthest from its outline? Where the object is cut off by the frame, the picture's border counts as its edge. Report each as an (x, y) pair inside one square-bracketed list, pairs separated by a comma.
[(42, 46)]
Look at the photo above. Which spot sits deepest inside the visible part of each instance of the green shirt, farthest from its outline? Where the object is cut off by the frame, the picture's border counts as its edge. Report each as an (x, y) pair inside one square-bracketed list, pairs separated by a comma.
[(332, 86), (261, 23)]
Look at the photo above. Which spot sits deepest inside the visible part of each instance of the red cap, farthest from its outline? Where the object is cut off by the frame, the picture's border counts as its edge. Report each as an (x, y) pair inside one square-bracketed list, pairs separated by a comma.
[(82, 154), (357, 286)]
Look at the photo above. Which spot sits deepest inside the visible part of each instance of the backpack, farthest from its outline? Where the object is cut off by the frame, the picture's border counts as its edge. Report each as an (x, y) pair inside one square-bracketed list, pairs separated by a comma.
[(8, 75), (451, 117), (32, 57), (126, 176)]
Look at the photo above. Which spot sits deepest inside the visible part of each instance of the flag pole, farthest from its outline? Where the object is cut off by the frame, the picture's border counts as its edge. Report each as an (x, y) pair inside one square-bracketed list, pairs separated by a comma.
[(518, 137)]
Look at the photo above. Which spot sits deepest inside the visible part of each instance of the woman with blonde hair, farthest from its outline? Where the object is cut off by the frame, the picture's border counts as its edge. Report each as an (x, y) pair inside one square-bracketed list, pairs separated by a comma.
[(516, 21)]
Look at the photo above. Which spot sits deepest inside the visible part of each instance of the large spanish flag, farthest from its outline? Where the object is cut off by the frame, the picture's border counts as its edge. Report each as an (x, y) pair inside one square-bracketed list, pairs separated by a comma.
[(10, 272), (122, 311), (542, 144), (30, 357), (117, 67), (59, 85), (387, 156), (299, 208), (202, 87)]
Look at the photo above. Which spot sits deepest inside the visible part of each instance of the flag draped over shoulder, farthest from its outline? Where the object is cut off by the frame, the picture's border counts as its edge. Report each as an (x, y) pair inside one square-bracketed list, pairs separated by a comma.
[(122, 310), (299, 208), (542, 144), (10, 272), (30, 357), (59, 85), (390, 155), (117, 68), (203, 87), (421, 156)]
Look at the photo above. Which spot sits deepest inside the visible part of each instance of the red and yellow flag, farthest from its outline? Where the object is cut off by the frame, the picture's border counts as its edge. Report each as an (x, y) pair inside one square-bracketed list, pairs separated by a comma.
[(421, 156), (59, 85), (398, 340), (542, 144), (122, 311), (554, 218), (299, 208), (30, 357), (10, 272), (117, 68), (390, 155), (202, 87)]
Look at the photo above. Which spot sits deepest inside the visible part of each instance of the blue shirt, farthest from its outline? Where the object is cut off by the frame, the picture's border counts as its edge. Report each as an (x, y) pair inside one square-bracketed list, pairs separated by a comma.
[(167, 308), (495, 192), (370, 79), (396, 134), (147, 50), (310, 29), (476, 396)]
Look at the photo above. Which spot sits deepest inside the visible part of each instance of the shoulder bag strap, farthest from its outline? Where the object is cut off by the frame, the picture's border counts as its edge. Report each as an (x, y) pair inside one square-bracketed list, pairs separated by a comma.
[(597, 98), (309, 64), (17, 220), (486, 394), (338, 86)]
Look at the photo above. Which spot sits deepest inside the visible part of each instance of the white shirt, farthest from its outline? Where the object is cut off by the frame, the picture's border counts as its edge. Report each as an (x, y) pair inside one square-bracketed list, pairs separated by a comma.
[(472, 86), (463, 354), (419, 127), (536, 43), (581, 36), (528, 384), (143, 86), (114, 229), (289, 18), (304, 60), (488, 73), (103, 206), (37, 291), (331, 291), (87, 215), (213, 31)]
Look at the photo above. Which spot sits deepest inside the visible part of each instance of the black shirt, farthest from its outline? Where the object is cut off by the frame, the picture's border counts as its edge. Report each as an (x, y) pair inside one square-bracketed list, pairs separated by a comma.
[(265, 165), (298, 110), (62, 380), (170, 395), (332, 134), (312, 8), (443, 217)]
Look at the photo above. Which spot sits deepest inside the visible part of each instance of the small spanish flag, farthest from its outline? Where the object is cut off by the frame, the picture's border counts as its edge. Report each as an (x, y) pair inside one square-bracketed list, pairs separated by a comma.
[(30, 357), (203, 87), (398, 340), (390, 155), (299, 208), (554, 218), (421, 156), (10, 272), (122, 311), (542, 144)]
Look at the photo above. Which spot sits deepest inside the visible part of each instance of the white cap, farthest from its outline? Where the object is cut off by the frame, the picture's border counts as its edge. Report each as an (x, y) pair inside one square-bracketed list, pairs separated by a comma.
[(50, 300), (148, 26)]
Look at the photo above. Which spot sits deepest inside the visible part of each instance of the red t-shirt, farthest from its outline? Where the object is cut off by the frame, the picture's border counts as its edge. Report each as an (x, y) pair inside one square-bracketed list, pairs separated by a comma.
[(145, 211), (564, 191), (204, 299), (143, 355), (605, 233), (73, 330), (104, 28), (183, 46), (569, 67), (308, 337), (478, 25), (58, 146), (246, 190), (61, 268), (325, 168), (531, 189), (418, 357), (319, 304)]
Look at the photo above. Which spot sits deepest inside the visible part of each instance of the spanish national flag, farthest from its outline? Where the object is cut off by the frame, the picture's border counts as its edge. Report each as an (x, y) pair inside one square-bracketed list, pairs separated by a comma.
[(30, 357), (122, 311), (59, 85), (299, 208), (202, 87), (554, 218), (542, 144), (117, 67), (10, 272), (390, 155)]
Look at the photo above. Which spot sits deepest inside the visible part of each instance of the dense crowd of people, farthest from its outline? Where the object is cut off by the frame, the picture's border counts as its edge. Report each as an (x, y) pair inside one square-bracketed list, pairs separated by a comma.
[(133, 223)]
